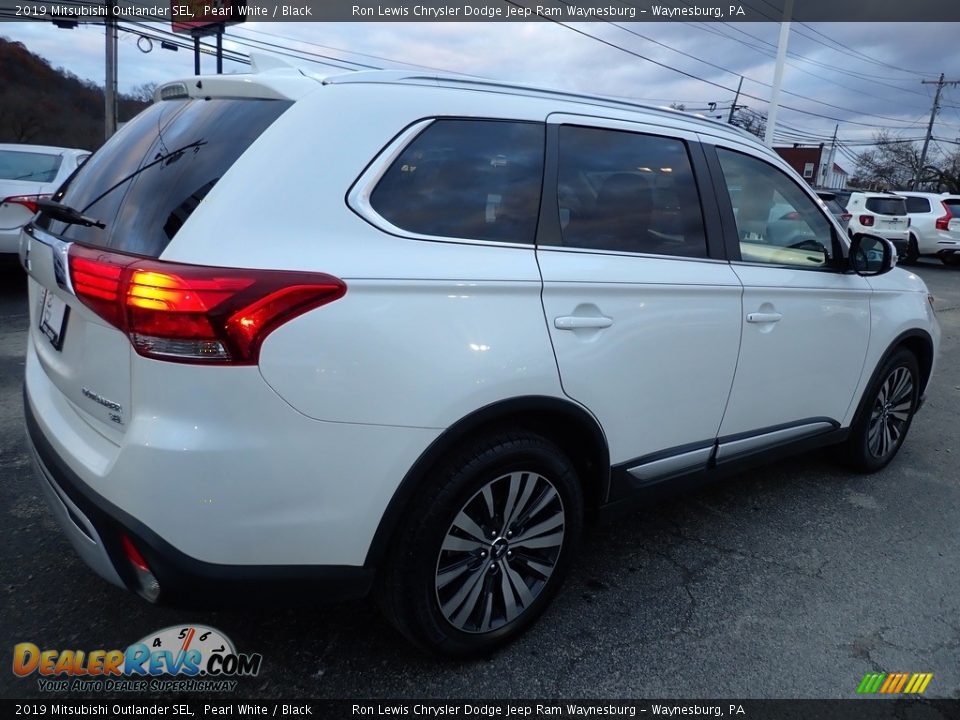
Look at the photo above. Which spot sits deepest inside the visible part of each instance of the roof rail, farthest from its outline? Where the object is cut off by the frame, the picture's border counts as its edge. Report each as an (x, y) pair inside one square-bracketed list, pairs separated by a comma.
[(470, 81)]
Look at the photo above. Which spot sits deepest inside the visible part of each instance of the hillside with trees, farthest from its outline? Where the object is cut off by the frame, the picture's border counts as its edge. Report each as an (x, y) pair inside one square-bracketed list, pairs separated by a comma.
[(43, 105)]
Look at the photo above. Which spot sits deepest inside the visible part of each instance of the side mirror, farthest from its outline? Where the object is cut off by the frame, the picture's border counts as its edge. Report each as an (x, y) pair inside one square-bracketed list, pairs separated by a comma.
[(871, 255)]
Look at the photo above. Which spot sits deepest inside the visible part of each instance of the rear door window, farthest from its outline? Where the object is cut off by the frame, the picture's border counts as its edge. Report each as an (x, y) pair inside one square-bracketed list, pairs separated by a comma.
[(628, 192), (918, 205), (887, 206), (470, 179), (147, 179)]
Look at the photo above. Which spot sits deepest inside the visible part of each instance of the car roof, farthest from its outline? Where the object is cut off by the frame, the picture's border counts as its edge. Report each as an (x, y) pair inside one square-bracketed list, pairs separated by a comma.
[(274, 77), (48, 149)]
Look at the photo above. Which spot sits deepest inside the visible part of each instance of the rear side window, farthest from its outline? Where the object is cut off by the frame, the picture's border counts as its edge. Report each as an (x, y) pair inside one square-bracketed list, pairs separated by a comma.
[(29, 166), (148, 178), (918, 205), (628, 192), (471, 179), (953, 204), (886, 206)]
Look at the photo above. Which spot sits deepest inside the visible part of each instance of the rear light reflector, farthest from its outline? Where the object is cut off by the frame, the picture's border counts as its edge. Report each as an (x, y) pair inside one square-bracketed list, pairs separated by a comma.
[(195, 313), (147, 584), (866, 220), (28, 201), (943, 223)]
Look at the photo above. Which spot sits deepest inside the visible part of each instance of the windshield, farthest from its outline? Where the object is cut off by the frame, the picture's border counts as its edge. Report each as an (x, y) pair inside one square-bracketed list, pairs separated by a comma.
[(148, 179), (32, 166)]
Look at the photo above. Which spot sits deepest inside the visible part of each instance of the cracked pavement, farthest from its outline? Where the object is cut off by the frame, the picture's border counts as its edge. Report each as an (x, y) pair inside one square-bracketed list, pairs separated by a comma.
[(789, 581)]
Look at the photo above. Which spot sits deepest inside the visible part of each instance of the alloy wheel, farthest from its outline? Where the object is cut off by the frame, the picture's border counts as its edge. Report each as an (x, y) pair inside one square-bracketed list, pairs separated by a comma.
[(891, 413), (499, 552)]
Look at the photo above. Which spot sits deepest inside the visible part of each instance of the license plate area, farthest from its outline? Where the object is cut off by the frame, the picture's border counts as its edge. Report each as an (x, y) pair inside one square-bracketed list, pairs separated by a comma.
[(54, 314)]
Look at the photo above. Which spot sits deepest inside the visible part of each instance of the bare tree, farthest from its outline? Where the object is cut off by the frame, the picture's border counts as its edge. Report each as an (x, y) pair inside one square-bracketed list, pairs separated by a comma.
[(143, 92), (893, 162), (753, 121)]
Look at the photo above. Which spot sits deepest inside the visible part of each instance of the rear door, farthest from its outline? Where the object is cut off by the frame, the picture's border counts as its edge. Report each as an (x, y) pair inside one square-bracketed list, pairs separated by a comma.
[(142, 185), (642, 309)]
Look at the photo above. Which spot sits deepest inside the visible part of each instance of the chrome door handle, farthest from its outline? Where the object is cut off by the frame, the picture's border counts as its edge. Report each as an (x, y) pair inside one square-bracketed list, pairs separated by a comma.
[(576, 322), (758, 317)]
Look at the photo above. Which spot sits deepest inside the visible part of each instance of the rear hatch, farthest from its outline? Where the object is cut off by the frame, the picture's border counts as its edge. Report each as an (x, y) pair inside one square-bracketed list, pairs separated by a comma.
[(890, 212), (23, 175), (142, 186)]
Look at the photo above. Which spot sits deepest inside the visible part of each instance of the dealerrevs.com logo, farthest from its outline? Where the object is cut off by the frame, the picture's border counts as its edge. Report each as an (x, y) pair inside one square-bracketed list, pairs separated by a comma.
[(180, 658)]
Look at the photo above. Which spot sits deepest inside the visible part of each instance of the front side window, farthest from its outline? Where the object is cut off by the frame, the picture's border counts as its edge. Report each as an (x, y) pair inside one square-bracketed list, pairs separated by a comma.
[(627, 192), (777, 222), (470, 179)]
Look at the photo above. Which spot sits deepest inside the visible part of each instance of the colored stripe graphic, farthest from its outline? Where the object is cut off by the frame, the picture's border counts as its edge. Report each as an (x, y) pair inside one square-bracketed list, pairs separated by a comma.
[(894, 683)]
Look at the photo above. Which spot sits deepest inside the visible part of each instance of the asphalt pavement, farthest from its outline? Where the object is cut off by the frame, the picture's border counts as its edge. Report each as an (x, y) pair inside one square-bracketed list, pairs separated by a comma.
[(790, 581)]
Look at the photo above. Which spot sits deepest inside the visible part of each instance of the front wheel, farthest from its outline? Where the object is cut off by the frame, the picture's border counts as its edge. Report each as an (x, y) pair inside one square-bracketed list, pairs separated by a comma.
[(885, 414), (485, 547)]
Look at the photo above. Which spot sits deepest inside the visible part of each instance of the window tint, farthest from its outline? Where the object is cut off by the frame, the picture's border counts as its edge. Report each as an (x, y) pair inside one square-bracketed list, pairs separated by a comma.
[(886, 206), (834, 207), (29, 166), (952, 203), (473, 179), (155, 172), (918, 205), (628, 192), (777, 222)]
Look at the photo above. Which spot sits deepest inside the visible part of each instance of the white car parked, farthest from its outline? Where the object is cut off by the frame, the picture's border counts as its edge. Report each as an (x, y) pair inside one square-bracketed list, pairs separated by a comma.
[(383, 331), (881, 214), (27, 174), (934, 226)]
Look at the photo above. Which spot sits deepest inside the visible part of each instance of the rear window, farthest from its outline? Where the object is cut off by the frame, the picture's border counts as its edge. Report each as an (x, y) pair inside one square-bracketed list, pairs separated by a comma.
[(834, 207), (887, 206), (953, 204), (147, 180), (918, 205), (29, 166), (473, 179)]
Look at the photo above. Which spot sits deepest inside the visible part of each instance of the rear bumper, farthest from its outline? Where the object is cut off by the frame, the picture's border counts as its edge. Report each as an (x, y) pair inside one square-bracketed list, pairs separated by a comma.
[(95, 528)]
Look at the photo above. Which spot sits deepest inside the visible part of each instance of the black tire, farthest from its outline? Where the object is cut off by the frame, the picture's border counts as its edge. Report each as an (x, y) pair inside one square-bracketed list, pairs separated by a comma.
[(913, 252), (885, 414), (460, 619)]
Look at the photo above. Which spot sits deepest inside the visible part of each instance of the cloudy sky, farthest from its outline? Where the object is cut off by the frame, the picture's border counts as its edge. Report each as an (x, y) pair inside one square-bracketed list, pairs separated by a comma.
[(863, 76)]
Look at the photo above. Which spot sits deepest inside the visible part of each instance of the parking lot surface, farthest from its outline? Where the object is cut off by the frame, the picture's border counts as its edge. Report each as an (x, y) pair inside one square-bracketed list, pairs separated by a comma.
[(792, 580)]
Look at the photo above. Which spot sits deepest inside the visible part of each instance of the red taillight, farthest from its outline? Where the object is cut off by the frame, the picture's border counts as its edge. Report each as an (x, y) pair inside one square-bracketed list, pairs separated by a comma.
[(943, 223), (793, 215), (28, 201), (194, 313), (846, 217), (866, 220), (133, 555)]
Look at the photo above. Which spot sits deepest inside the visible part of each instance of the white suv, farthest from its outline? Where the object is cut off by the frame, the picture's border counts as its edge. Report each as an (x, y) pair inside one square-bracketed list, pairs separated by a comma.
[(934, 226), (880, 214), (383, 331)]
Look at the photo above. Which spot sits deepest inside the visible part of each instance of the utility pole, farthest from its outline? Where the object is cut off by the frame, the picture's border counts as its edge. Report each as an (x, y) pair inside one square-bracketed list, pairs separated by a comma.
[(733, 108), (933, 115), (778, 72), (110, 84), (827, 167)]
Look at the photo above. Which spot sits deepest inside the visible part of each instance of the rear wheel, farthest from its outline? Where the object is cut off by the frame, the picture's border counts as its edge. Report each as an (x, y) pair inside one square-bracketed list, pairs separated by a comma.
[(885, 414), (485, 547), (913, 252)]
